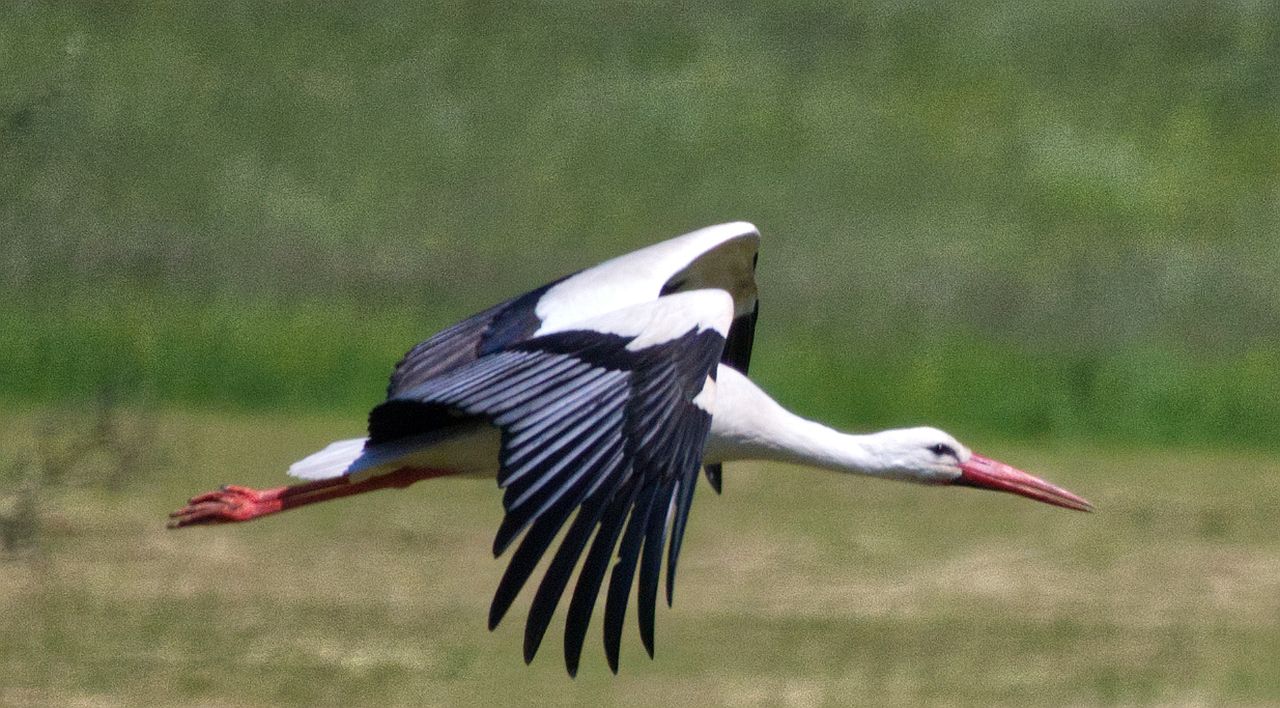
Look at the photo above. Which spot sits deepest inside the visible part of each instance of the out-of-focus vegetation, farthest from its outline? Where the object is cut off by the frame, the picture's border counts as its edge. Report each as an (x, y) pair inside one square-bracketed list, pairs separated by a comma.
[(1049, 220)]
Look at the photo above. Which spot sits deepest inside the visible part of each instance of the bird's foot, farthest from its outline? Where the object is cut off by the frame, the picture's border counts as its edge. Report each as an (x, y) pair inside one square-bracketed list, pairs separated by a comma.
[(228, 504)]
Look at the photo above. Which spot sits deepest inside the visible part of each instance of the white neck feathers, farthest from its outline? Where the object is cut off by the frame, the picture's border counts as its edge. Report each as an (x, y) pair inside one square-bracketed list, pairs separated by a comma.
[(748, 424)]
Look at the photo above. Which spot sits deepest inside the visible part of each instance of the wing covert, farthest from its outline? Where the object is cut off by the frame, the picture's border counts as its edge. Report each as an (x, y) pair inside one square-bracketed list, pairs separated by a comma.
[(462, 343), (721, 257)]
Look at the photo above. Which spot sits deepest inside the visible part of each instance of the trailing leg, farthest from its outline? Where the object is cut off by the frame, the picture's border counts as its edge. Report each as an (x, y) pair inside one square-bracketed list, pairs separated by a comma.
[(234, 503)]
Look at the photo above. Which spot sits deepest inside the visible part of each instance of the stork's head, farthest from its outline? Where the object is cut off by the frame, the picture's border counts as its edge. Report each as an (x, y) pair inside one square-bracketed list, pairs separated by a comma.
[(931, 456)]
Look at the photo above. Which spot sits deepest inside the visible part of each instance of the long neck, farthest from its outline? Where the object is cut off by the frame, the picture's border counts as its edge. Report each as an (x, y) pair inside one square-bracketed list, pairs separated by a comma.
[(748, 424)]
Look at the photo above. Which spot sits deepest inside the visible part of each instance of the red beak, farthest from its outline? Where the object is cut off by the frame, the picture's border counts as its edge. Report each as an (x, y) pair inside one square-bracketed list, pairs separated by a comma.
[(985, 473)]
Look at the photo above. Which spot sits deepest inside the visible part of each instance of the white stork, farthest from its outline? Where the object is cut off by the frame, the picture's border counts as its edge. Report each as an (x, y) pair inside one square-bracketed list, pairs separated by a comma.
[(595, 400)]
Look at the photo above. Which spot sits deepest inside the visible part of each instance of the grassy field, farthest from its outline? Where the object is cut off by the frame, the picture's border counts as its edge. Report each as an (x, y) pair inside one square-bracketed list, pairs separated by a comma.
[(248, 354), (1050, 224), (797, 588)]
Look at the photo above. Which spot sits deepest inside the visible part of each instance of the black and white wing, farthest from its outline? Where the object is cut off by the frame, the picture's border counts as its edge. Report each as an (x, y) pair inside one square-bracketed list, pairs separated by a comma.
[(731, 265), (460, 344), (721, 257), (606, 417)]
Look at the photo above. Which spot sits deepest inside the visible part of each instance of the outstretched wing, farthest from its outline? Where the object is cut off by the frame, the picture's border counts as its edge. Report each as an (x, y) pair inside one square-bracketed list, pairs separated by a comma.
[(606, 418), (721, 257)]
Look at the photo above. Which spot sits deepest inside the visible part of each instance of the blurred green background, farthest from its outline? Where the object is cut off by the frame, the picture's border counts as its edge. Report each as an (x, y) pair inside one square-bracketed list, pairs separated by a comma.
[(1048, 227), (1054, 221)]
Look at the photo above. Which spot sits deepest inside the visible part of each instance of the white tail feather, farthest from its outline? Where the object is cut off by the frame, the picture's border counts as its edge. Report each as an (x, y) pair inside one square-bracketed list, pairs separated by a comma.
[(333, 461), (465, 450)]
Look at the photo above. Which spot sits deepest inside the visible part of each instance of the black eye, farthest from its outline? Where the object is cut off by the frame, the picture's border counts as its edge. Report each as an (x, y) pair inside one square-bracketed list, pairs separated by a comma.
[(943, 450)]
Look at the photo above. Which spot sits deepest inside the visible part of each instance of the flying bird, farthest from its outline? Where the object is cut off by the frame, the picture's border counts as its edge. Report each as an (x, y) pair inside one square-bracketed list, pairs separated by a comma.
[(595, 400)]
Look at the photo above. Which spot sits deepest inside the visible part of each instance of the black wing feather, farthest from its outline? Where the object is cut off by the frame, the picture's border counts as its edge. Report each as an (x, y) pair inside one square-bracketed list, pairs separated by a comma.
[(591, 577), (551, 589), (615, 606), (531, 549), (715, 475), (486, 332), (651, 564), (587, 425), (742, 335), (737, 354), (684, 501)]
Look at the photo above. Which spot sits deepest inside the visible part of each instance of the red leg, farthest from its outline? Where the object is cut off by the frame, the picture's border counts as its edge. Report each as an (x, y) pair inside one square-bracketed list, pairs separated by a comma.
[(235, 503)]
